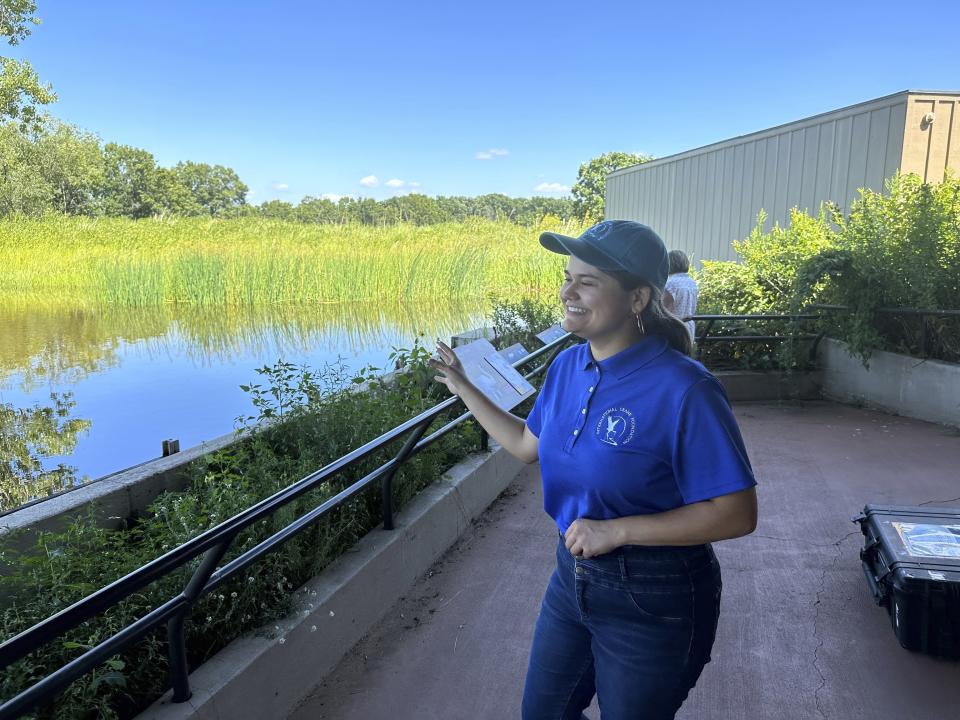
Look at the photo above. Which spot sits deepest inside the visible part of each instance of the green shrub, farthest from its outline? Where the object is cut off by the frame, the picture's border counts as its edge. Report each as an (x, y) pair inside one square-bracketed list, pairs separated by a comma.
[(520, 321), (899, 249), (895, 249)]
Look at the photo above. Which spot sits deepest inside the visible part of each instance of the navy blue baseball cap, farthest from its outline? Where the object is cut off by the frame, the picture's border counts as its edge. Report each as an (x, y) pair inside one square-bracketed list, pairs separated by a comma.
[(624, 245)]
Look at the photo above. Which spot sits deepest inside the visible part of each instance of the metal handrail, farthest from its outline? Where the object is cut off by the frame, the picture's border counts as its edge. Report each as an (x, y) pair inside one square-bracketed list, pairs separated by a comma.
[(930, 312), (704, 337), (213, 544)]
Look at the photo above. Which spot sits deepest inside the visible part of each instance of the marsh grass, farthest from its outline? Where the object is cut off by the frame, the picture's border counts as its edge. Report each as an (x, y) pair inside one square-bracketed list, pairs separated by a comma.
[(80, 262)]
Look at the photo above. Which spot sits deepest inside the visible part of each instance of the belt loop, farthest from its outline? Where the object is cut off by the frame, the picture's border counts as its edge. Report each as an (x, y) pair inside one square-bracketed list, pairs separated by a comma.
[(623, 566)]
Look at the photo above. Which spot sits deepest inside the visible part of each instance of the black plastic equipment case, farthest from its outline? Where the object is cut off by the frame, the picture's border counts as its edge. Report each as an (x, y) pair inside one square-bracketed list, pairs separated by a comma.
[(911, 558)]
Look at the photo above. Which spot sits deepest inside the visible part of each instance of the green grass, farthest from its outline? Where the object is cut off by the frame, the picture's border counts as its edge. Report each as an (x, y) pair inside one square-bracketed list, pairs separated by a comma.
[(82, 262)]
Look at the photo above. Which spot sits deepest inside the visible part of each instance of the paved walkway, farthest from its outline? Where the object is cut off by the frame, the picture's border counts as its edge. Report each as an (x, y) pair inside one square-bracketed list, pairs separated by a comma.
[(799, 635)]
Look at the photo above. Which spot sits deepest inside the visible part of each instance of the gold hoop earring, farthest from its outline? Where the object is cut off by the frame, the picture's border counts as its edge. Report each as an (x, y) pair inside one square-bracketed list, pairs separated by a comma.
[(640, 324)]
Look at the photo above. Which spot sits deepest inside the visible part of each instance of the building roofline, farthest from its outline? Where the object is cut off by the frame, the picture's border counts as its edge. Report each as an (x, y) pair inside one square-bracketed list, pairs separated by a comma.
[(776, 129)]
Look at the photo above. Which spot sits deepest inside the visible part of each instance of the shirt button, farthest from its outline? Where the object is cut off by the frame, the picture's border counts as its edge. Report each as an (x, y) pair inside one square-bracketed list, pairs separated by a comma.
[(583, 412), (575, 432), (591, 389), (580, 570)]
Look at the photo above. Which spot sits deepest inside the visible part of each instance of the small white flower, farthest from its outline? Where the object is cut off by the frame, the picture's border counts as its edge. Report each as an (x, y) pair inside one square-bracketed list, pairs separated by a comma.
[(282, 641), (233, 594), (313, 628), (331, 613)]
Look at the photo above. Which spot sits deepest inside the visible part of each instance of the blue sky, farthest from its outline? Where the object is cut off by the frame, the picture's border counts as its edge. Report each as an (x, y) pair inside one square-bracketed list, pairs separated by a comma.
[(447, 98)]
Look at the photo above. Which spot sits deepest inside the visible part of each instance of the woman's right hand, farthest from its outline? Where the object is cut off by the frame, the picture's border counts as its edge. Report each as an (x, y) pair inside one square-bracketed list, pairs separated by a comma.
[(452, 373)]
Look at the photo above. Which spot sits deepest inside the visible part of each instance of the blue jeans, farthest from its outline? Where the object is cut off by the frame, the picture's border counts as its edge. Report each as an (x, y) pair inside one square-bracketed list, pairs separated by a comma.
[(635, 627)]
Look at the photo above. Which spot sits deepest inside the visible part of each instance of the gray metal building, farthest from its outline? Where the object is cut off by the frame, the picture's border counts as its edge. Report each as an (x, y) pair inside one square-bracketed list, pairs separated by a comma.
[(701, 200)]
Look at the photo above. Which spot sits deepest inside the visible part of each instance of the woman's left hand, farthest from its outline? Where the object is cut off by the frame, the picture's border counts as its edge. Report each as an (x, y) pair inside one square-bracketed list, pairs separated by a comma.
[(589, 538)]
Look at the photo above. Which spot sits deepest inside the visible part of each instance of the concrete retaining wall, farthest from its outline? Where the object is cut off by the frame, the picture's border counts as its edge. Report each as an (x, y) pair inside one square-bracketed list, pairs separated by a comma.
[(115, 497), (746, 386), (267, 676), (923, 389)]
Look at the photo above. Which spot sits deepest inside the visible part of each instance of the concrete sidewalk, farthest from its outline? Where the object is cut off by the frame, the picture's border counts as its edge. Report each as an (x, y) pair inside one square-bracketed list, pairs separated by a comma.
[(799, 635)]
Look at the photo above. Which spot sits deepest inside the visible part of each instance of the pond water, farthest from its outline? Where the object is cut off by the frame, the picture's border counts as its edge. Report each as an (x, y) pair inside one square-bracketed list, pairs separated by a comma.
[(143, 376)]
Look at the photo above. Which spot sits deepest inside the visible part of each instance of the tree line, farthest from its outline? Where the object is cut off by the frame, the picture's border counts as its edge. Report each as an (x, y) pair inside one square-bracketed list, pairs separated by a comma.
[(56, 168)]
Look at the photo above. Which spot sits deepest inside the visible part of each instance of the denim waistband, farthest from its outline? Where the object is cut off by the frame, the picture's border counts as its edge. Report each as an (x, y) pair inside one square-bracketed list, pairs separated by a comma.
[(645, 559)]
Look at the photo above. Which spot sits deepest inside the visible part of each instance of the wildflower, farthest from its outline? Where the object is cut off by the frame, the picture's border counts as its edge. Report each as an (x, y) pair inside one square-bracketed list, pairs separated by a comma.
[(233, 594), (331, 613), (282, 641), (313, 628)]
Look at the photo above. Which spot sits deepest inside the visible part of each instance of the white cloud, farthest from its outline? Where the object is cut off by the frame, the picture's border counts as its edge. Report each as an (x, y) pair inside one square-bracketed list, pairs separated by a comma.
[(281, 186), (491, 154), (369, 181), (332, 197), (546, 187), (405, 185)]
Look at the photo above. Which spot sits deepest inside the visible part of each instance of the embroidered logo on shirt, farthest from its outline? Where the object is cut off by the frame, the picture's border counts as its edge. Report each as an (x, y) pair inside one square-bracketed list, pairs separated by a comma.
[(616, 426)]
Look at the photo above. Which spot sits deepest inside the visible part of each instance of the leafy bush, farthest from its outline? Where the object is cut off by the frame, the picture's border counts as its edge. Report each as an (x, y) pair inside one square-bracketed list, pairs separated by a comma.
[(899, 249), (520, 321)]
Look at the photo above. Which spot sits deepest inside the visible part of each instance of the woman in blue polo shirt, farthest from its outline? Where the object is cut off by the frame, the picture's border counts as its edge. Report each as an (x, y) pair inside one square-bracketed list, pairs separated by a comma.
[(643, 466)]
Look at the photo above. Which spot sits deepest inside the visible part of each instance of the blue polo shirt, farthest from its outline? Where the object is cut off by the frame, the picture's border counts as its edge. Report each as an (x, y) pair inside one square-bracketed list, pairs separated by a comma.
[(646, 430)]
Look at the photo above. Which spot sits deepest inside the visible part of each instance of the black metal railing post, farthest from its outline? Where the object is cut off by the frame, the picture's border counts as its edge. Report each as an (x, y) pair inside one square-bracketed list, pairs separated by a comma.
[(177, 644), (923, 335), (484, 440), (386, 487), (699, 340)]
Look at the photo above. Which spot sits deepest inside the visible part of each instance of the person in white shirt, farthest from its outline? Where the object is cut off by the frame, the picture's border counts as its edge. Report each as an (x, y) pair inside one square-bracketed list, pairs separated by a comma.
[(680, 296)]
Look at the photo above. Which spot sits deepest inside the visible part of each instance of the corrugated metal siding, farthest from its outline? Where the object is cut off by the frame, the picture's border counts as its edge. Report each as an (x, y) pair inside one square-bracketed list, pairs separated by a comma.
[(701, 200)]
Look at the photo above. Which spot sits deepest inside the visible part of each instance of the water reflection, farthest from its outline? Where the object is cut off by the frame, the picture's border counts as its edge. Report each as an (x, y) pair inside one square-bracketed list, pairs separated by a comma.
[(28, 436), (143, 375), (39, 346)]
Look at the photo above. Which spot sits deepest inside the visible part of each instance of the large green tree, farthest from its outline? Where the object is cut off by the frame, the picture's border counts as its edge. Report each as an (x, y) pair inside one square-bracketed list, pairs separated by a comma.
[(133, 185), (70, 162), (215, 190), (20, 88), (23, 189), (318, 210), (589, 192), (277, 210)]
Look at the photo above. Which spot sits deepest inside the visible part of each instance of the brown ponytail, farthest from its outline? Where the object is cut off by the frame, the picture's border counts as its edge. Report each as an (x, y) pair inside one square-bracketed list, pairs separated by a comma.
[(657, 320)]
